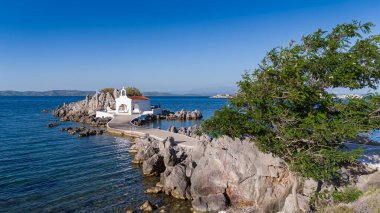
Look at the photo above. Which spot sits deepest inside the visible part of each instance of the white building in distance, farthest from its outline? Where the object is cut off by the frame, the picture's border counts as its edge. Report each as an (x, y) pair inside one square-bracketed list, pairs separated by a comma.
[(132, 104)]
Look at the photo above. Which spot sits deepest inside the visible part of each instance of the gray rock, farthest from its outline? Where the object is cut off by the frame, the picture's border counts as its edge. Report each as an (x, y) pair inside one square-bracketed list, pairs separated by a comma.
[(184, 115), (153, 190), (309, 187), (84, 111), (210, 203), (144, 154), (168, 152), (289, 205), (148, 206), (172, 129), (235, 172), (154, 165), (177, 183), (182, 130), (192, 131), (52, 125)]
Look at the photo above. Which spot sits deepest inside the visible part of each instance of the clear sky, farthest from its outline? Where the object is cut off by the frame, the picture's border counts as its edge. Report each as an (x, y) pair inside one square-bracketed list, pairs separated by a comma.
[(161, 45)]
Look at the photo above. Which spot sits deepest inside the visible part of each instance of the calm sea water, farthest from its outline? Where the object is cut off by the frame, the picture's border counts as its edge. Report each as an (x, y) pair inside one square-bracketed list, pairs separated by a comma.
[(44, 169)]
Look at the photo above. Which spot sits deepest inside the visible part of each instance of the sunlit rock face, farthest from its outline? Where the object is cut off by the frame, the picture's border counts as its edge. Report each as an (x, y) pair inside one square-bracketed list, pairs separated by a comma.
[(235, 173)]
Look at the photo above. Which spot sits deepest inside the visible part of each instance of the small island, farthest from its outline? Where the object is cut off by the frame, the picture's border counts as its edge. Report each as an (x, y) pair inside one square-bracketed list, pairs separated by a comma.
[(222, 96)]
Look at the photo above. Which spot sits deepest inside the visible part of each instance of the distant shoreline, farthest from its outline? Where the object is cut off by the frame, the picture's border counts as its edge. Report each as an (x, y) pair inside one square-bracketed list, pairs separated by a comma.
[(9, 93)]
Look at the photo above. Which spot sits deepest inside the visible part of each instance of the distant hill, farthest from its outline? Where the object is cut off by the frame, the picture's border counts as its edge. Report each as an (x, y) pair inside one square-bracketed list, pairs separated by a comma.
[(169, 94), (84, 93), (46, 93), (159, 94)]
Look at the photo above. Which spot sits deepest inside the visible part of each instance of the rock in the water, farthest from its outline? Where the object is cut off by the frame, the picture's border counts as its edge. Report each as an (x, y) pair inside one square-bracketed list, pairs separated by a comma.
[(148, 206), (153, 190), (184, 115), (52, 125), (87, 133)]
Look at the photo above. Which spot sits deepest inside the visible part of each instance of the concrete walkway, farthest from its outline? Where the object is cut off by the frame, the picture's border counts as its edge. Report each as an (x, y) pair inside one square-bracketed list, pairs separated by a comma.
[(121, 125)]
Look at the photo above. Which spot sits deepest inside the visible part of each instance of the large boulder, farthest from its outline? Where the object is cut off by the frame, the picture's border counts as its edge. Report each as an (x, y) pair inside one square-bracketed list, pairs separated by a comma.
[(235, 172), (168, 151), (154, 165), (144, 153), (176, 183)]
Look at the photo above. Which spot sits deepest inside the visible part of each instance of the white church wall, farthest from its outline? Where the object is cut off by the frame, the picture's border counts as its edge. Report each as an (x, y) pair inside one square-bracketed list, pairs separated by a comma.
[(144, 105)]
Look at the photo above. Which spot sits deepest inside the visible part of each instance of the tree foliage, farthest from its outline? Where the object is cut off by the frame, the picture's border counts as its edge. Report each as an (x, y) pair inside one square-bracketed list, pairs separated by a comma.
[(133, 91), (284, 104)]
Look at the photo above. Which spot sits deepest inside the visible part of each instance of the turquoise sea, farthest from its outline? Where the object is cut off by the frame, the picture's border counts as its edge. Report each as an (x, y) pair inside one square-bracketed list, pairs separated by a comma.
[(45, 170)]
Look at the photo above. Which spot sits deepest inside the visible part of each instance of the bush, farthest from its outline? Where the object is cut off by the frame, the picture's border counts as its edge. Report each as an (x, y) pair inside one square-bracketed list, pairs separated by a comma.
[(347, 195), (133, 91)]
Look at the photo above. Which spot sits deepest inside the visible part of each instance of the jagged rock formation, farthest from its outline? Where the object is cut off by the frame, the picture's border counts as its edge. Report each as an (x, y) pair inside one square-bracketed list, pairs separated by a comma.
[(82, 131), (219, 174), (84, 111), (192, 131), (184, 115)]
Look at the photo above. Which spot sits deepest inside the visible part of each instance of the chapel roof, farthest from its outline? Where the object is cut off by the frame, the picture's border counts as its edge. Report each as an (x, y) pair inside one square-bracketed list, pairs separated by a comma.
[(142, 98)]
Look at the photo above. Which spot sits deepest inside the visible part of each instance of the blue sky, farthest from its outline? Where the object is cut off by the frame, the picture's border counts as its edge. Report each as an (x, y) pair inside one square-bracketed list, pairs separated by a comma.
[(175, 46)]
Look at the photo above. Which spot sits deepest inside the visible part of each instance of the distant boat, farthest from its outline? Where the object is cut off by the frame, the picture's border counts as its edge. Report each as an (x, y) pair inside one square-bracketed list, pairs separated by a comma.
[(222, 96)]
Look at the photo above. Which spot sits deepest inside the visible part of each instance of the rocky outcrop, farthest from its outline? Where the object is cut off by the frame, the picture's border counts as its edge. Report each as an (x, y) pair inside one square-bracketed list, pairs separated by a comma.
[(84, 111), (219, 174), (184, 115), (52, 125), (192, 131), (236, 173), (82, 131)]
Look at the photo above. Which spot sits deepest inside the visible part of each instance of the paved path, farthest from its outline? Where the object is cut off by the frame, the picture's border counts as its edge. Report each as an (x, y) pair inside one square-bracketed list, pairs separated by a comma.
[(120, 124)]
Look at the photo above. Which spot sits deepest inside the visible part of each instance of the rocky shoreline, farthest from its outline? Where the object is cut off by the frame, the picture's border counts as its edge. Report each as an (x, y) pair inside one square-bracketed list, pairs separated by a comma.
[(233, 175), (168, 115)]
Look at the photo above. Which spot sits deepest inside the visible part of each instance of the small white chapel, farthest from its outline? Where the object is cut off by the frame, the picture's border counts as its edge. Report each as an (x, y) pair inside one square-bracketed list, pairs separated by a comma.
[(132, 104)]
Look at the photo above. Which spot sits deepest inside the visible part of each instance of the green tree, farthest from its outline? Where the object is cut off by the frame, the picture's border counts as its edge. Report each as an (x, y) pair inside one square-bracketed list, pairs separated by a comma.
[(133, 91), (285, 108)]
